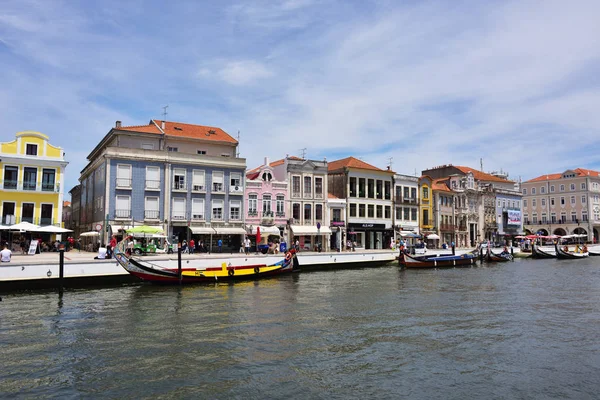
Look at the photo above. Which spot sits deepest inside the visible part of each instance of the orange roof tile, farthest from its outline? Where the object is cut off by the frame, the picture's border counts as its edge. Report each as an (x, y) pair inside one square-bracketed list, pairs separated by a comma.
[(331, 196), (351, 162), (551, 177), (183, 130), (275, 163), (440, 185), (66, 203), (481, 176)]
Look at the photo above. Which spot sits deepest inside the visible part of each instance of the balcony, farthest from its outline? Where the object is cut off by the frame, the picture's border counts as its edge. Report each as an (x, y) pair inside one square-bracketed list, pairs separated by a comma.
[(49, 187), (296, 195), (28, 185), (197, 217), (218, 188), (178, 217), (10, 184), (267, 218), (152, 185), (123, 183), (447, 227), (198, 188), (179, 186), (406, 200), (280, 215), (318, 195), (151, 214), (123, 213), (236, 189)]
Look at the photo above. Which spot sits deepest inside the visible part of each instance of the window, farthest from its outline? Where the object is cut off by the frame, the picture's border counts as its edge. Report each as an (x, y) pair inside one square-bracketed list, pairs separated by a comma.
[(198, 180), (217, 210), (525, 203), (543, 202), (553, 218), (266, 205), (398, 193), (573, 216), (217, 182), (27, 212), (253, 204), (280, 205), (235, 180), (524, 191), (337, 214), (46, 214), (388, 212), (151, 208), (307, 186), (371, 189), (398, 213), (572, 199), (201, 152), (533, 203), (551, 201), (526, 218), (361, 188), (379, 210), (235, 207), (425, 217), (562, 188), (387, 190), (572, 186), (319, 212), (152, 178), (179, 179), (29, 178), (319, 187), (532, 190), (295, 186), (379, 189), (48, 179), (543, 190), (123, 176), (267, 177), (544, 218), (583, 199), (406, 213), (353, 209), (551, 188), (352, 186), (197, 209), (361, 210), (582, 185), (371, 211), (413, 194), (122, 207), (178, 208), (425, 193), (10, 177), (172, 149), (413, 214), (307, 213), (147, 146), (534, 218), (296, 211), (562, 201), (563, 217), (31, 149), (584, 216)]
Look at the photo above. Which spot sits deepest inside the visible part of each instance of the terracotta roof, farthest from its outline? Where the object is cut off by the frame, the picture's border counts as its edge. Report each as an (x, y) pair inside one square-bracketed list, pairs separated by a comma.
[(331, 196), (252, 175), (352, 162), (275, 163), (180, 129), (66, 204), (481, 176), (579, 171), (440, 185)]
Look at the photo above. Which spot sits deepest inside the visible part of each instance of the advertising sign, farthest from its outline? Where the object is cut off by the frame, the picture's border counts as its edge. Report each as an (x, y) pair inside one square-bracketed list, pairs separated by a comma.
[(514, 217)]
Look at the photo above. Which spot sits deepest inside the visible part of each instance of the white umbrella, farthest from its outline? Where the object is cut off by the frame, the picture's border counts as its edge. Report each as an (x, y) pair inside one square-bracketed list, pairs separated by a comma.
[(52, 229), (24, 226), (433, 236), (91, 233), (3, 227)]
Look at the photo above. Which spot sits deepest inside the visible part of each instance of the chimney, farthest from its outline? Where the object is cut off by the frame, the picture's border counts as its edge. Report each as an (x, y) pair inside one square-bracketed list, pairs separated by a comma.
[(266, 160), (118, 124), (162, 125)]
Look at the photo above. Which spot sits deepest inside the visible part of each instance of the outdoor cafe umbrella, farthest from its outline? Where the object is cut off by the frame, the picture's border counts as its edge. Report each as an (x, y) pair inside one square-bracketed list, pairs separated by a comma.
[(433, 236), (145, 230), (52, 229), (24, 227)]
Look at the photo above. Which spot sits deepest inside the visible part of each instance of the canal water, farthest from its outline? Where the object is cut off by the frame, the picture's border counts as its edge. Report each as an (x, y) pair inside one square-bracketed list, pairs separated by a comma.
[(521, 330)]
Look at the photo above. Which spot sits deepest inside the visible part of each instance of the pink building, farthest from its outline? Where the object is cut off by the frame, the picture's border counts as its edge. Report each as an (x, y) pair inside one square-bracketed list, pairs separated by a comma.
[(266, 202)]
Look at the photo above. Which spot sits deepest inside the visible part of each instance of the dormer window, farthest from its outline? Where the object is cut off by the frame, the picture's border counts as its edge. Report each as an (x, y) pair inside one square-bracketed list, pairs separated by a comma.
[(266, 176), (31, 149)]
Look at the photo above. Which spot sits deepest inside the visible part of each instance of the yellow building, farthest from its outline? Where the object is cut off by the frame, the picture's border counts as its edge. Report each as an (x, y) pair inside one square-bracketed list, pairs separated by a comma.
[(31, 187), (426, 222)]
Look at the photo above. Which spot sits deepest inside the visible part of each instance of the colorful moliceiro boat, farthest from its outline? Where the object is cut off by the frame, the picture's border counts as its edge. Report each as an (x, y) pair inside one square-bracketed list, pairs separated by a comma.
[(564, 252), (441, 261), (502, 257), (225, 272)]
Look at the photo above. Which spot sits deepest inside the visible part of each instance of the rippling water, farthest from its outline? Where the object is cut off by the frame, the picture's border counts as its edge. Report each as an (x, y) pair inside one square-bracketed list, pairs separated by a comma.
[(521, 330)]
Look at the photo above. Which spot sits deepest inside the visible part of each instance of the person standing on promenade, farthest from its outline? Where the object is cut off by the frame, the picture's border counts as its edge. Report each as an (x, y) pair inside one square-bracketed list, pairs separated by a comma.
[(247, 245), (192, 246), (220, 244), (5, 254)]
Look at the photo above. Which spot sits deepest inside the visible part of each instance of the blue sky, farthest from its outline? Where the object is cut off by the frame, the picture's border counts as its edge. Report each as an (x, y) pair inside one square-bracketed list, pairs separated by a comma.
[(424, 83)]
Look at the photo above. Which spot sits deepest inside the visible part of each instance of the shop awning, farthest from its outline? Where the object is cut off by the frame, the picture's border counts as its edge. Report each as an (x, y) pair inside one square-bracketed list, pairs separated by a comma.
[(201, 230), (116, 228), (230, 231), (310, 230), (266, 230)]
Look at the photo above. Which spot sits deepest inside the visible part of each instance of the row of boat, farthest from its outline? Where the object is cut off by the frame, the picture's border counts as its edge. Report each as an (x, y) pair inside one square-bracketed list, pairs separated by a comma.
[(564, 252), (453, 260)]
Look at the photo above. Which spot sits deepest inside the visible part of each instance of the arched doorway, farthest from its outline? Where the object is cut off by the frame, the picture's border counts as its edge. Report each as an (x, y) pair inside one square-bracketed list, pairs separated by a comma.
[(528, 232), (542, 232), (579, 231), (560, 232)]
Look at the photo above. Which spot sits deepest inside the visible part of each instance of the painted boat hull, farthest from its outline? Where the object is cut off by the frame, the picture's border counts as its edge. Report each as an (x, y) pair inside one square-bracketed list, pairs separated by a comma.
[(568, 255), (493, 257), (538, 253), (463, 260)]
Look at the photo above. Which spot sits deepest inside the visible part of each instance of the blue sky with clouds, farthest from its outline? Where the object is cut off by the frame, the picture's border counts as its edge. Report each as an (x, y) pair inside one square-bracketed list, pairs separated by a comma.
[(424, 83)]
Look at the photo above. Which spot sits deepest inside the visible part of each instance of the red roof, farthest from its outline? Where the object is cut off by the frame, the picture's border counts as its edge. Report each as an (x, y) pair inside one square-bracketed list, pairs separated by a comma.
[(440, 185), (351, 162), (66, 203), (481, 176), (331, 196), (275, 163), (179, 129), (578, 171)]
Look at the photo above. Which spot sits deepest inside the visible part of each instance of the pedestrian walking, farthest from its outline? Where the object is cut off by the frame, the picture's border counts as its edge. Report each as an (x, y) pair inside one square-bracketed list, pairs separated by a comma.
[(247, 245), (220, 244)]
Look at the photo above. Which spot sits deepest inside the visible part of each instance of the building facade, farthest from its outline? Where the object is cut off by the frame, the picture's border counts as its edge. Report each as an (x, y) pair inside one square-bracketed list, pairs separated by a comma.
[(307, 194), (337, 221), (266, 203), (406, 204), (563, 203), (181, 177), (368, 193), (33, 180)]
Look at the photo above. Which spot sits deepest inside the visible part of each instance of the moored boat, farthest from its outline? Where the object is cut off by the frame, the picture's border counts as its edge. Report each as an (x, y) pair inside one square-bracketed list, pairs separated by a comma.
[(225, 272), (502, 257), (537, 252), (563, 252), (443, 261)]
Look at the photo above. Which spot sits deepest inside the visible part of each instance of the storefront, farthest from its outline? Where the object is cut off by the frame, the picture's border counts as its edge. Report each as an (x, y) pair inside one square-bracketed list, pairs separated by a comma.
[(370, 236), (337, 240), (310, 237)]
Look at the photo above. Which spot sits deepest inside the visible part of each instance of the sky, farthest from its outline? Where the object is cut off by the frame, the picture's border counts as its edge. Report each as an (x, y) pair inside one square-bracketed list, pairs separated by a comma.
[(512, 85)]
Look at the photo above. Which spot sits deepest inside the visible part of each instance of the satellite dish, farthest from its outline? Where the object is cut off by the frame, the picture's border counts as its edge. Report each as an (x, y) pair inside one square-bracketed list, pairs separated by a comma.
[(237, 188)]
